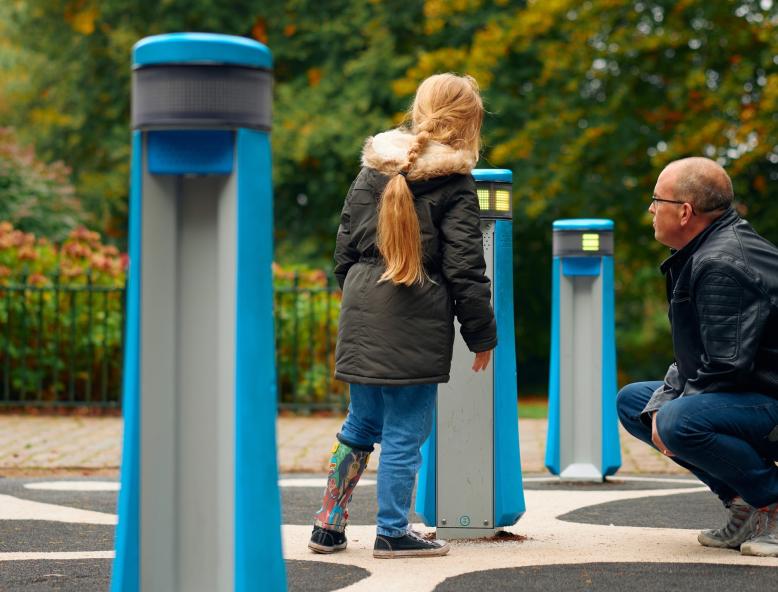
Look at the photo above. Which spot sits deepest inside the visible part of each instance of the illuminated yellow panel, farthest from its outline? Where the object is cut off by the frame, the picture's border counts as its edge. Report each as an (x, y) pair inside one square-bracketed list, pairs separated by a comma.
[(590, 242), (483, 198), (502, 200)]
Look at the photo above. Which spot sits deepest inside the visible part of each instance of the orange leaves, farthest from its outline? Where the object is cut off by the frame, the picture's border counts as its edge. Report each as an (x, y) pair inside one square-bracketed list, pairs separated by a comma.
[(259, 30), (314, 76), (81, 15)]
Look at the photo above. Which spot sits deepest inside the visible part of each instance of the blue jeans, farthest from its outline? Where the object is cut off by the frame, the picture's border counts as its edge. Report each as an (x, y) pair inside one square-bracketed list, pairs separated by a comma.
[(400, 419), (728, 440)]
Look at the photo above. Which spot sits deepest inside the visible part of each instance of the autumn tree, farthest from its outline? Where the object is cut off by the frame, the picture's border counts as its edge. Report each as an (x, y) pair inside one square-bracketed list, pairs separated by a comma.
[(589, 101)]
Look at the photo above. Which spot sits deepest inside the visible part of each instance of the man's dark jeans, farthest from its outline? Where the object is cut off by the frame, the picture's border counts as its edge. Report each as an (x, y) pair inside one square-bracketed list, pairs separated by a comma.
[(728, 440)]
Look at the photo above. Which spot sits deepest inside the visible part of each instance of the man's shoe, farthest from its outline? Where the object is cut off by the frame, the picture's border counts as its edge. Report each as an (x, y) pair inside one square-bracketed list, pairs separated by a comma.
[(737, 530), (411, 544), (764, 543), (324, 540)]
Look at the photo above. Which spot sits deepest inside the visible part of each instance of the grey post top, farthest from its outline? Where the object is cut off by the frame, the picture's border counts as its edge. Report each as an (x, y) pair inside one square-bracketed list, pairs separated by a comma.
[(200, 80), (583, 237)]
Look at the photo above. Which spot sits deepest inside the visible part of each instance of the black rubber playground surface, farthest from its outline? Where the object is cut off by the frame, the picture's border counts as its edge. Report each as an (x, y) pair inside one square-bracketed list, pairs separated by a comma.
[(688, 510), (619, 577)]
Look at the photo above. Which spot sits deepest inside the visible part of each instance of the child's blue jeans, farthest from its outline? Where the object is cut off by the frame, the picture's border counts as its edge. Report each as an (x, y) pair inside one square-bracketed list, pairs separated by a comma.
[(400, 419)]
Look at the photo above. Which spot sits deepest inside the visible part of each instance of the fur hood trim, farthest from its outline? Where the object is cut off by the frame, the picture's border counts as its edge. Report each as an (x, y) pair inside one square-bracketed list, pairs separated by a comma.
[(387, 152)]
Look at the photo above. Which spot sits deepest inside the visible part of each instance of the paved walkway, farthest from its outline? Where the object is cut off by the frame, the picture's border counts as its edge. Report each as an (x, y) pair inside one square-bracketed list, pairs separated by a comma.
[(31, 445)]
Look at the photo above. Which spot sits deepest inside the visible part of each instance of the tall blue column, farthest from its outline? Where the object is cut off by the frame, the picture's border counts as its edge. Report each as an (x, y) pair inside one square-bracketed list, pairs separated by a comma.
[(583, 437), (470, 481), (199, 507)]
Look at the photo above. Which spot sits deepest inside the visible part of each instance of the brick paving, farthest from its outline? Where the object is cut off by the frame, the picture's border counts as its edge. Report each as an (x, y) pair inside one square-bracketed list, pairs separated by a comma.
[(304, 444), (92, 445)]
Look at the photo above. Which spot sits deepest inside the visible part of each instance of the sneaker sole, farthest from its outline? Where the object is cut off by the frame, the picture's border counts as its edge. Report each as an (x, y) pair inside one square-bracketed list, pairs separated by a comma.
[(412, 553), (706, 541), (317, 548), (759, 549)]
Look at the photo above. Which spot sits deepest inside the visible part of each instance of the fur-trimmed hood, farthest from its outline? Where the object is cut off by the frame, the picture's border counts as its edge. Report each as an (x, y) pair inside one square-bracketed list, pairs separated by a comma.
[(387, 152)]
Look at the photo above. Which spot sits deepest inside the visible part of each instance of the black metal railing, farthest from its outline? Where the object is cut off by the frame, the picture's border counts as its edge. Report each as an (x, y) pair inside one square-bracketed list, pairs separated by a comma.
[(306, 323), (62, 345)]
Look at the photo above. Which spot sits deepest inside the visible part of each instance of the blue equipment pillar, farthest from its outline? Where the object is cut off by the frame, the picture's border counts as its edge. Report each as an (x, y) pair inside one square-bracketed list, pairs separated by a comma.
[(583, 436), (470, 480), (199, 506)]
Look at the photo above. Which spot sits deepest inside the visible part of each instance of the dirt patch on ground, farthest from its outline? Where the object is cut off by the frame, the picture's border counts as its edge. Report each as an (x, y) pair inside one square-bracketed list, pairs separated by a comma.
[(501, 536)]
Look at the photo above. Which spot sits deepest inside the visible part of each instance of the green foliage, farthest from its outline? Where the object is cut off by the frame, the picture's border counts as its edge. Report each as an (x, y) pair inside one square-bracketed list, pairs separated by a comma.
[(307, 305), (61, 310), (36, 197), (587, 100)]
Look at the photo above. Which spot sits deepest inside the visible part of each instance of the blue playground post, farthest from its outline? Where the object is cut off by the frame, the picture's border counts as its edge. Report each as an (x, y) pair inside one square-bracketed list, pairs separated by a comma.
[(583, 437), (199, 505), (470, 480)]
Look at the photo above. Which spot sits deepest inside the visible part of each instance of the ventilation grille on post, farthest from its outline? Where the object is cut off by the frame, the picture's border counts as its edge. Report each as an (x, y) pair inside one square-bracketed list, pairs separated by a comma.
[(201, 96)]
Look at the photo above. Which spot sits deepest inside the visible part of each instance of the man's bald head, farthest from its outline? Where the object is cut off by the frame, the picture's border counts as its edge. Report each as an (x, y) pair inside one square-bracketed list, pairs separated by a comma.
[(702, 182)]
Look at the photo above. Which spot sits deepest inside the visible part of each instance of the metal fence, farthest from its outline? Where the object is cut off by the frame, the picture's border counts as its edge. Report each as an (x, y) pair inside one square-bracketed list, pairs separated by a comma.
[(62, 345), (306, 322)]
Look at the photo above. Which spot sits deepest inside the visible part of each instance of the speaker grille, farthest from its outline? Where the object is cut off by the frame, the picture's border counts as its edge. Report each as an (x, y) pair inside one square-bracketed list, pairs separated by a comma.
[(201, 96)]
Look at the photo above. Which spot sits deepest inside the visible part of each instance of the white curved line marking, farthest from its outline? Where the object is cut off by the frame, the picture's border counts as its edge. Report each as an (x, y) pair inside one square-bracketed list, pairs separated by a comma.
[(14, 508), (74, 486), (21, 556)]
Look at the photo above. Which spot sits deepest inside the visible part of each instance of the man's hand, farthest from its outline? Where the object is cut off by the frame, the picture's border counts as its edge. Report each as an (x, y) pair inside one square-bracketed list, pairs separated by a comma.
[(656, 439), (481, 360)]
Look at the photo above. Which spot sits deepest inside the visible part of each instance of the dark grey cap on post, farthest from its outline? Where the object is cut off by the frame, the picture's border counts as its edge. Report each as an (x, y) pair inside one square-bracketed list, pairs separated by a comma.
[(194, 81)]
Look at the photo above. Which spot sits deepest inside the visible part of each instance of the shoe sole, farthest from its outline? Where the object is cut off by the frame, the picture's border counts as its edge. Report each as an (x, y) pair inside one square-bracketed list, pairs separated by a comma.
[(412, 553), (716, 543), (759, 549), (317, 548)]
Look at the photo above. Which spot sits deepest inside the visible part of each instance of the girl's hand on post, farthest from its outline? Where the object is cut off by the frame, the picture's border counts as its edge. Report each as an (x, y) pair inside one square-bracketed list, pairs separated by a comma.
[(481, 360)]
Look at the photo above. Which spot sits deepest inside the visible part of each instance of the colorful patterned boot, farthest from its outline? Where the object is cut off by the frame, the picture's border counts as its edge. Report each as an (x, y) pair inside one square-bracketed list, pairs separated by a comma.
[(346, 467)]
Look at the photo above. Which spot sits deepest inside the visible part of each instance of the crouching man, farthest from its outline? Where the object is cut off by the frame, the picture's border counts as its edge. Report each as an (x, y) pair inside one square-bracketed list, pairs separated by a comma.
[(716, 412)]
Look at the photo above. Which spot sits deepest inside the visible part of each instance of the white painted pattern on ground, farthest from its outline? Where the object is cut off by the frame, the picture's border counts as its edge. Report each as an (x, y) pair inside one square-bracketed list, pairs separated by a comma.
[(14, 508), (60, 555), (74, 486)]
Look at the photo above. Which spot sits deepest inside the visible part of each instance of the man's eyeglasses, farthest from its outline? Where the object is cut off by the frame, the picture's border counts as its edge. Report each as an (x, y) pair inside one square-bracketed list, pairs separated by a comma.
[(655, 199)]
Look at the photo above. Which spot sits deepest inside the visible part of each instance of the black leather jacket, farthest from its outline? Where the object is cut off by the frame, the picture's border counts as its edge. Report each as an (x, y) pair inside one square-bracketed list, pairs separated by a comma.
[(723, 293)]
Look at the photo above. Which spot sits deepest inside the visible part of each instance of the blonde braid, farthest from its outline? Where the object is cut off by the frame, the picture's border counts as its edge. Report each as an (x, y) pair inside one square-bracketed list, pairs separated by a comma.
[(399, 233), (421, 141)]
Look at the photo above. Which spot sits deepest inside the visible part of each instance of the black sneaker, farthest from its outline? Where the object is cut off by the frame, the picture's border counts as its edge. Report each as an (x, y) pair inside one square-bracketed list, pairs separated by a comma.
[(324, 540), (411, 544)]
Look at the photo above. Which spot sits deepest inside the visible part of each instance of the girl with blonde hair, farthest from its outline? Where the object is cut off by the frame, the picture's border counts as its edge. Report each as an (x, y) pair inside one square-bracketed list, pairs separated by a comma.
[(409, 257)]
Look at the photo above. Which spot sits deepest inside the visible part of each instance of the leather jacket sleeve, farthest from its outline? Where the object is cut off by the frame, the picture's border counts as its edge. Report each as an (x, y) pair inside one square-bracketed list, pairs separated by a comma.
[(345, 252), (671, 389), (732, 314), (464, 268)]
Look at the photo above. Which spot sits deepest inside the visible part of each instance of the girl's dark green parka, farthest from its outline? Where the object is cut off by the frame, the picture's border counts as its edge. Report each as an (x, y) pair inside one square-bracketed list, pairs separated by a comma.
[(395, 334)]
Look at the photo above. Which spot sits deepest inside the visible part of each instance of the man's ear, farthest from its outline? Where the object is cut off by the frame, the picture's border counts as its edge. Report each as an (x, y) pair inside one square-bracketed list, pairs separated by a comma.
[(686, 214)]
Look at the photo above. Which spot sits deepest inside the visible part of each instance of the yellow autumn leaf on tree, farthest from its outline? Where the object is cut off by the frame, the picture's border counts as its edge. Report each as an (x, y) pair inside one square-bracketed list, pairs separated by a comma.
[(83, 20)]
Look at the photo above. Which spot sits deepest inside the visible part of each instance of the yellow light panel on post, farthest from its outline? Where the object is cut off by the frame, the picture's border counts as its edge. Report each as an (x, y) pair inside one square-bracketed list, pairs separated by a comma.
[(502, 200), (483, 199), (590, 242)]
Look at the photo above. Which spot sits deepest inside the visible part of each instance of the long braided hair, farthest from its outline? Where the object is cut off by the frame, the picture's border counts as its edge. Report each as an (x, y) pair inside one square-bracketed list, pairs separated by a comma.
[(447, 109)]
